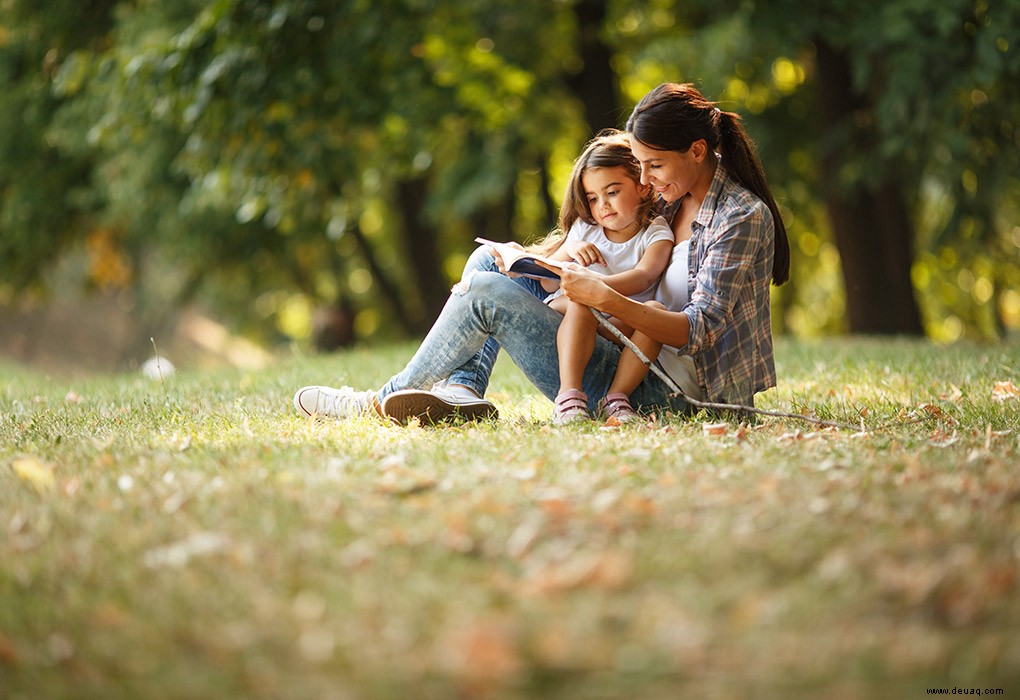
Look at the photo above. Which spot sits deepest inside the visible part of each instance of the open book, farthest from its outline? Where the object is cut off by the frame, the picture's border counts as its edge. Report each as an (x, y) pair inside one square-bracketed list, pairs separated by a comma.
[(522, 262)]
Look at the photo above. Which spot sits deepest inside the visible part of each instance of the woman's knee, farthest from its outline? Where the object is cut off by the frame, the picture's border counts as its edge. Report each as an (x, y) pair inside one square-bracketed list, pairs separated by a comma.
[(481, 260), (655, 304), (483, 283)]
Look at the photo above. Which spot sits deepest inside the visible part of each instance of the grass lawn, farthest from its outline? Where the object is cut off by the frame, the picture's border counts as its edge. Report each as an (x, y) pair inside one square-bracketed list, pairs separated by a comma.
[(197, 539)]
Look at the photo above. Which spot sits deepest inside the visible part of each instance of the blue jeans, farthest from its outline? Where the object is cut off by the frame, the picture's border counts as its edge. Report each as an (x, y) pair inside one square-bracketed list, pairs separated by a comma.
[(488, 310)]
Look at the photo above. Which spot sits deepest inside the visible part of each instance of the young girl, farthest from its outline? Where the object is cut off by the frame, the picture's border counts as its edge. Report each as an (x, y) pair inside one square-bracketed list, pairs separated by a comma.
[(606, 215)]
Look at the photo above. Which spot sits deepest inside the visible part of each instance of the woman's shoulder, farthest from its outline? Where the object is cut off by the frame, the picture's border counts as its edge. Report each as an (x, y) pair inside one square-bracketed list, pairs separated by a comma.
[(737, 199)]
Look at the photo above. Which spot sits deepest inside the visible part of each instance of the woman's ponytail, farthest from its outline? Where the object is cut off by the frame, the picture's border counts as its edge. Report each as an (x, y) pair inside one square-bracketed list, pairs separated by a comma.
[(741, 158)]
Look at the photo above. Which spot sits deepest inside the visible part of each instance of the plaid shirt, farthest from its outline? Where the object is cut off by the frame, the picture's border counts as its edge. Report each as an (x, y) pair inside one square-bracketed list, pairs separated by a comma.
[(730, 270)]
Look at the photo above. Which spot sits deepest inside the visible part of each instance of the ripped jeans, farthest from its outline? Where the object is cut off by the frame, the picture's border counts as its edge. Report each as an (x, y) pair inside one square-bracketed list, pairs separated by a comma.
[(488, 310)]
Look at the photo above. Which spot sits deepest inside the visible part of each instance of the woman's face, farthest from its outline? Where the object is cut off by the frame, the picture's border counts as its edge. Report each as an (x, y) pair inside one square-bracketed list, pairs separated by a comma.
[(670, 173)]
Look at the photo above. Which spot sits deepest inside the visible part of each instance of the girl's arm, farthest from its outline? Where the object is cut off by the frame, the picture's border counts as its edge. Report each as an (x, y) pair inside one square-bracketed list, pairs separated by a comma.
[(648, 270), (581, 252)]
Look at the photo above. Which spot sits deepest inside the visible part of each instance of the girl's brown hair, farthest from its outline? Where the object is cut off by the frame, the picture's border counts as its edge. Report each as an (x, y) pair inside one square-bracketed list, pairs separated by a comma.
[(609, 149), (673, 116)]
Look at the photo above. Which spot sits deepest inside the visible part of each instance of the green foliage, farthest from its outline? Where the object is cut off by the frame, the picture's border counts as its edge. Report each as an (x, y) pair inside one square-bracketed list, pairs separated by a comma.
[(257, 148), (44, 195)]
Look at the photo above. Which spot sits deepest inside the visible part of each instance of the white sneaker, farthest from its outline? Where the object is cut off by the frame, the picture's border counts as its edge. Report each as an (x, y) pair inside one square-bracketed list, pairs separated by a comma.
[(445, 403), (326, 402)]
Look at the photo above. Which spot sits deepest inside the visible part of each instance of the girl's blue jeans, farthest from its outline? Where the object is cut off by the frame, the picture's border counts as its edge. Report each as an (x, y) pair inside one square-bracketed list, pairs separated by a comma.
[(487, 311)]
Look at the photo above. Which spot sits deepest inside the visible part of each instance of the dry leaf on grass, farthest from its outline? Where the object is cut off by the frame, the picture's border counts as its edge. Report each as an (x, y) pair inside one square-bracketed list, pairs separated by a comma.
[(936, 412), (34, 471), (482, 652), (177, 554), (1003, 391), (404, 482), (954, 394), (605, 570), (8, 652)]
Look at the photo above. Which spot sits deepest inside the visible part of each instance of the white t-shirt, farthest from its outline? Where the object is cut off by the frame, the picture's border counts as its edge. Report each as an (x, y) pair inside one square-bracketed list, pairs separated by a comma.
[(673, 293), (620, 257)]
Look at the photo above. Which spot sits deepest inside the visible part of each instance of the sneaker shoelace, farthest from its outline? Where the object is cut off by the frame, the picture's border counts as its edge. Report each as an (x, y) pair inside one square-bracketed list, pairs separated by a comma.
[(347, 402)]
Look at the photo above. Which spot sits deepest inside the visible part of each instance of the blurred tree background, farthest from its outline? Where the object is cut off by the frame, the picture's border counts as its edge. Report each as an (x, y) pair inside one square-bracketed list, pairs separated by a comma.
[(314, 172)]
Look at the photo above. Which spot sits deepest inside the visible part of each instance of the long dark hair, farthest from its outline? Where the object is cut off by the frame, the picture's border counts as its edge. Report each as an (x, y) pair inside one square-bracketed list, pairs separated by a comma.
[(673, 116)]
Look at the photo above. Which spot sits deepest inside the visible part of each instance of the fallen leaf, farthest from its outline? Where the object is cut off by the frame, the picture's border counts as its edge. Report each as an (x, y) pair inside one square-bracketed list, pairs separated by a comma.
[(714, 428), (936, 412), (483, 652), (177, 554), (404, 482), (523, 537), (954, 394), (109, 615), (35, 472), (8, 652), (1002, 391), (556, 507), (605, 570)]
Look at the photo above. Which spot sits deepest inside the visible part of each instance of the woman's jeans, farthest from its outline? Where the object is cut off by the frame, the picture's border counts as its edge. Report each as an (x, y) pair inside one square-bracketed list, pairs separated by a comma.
[(488, 310)]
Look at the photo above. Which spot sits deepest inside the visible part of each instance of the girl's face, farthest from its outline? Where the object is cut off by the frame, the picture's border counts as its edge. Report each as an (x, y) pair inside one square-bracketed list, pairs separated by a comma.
[(670, 173), (614, 198)]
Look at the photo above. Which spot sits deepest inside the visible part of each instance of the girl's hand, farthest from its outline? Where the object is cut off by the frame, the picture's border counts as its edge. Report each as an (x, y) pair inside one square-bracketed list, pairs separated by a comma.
[(584, 253)]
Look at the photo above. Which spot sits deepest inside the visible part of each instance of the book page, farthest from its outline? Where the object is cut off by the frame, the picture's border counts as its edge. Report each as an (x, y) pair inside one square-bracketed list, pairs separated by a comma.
[(522, 262)]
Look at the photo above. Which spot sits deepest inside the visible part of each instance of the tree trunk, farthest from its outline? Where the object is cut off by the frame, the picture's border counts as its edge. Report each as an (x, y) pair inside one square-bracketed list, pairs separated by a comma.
[(495, 220), (389, 290), (420, 242), (596, 84), (869, 217)]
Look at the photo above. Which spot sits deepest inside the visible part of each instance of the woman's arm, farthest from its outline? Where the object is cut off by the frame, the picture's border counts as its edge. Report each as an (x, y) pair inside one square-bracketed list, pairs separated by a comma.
[(590, 289), (725, 272)]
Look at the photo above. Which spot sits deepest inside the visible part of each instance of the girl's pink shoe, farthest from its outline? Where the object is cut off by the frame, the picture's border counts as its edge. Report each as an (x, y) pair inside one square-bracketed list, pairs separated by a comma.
[(617, 405), (571, 406)]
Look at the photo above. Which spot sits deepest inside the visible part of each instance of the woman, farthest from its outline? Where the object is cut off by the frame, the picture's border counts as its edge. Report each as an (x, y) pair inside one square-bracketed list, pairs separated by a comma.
[(716, 198)]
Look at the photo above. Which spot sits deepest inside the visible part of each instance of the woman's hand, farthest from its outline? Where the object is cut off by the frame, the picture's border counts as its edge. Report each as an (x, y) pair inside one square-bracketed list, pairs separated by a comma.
[(499, 258), (583, 253), (584, 287)]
